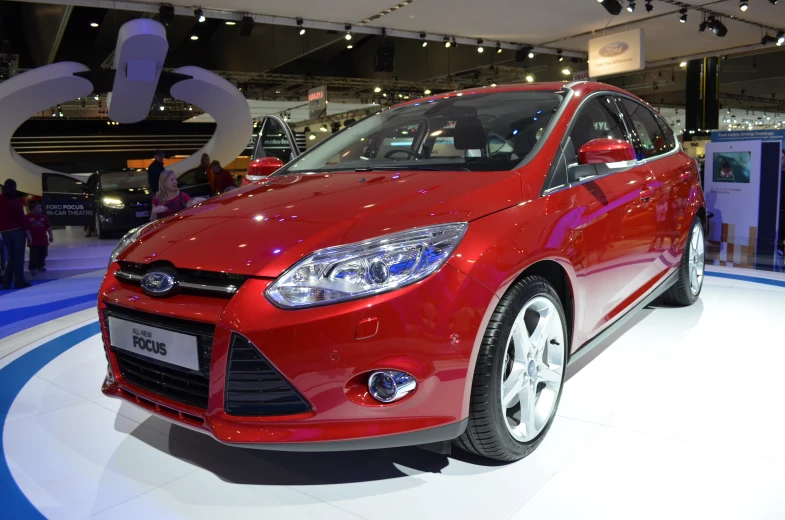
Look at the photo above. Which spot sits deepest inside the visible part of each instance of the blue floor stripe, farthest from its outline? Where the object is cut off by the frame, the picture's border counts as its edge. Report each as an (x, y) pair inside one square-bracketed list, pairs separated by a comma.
[(22, 313), (746, 278), (12, 379)]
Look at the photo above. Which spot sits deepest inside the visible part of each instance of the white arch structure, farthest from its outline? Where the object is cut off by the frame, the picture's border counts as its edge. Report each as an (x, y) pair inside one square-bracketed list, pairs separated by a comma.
[(141, 49)]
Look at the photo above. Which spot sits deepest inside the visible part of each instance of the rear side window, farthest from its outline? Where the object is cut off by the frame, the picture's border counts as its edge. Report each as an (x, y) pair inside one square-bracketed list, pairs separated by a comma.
[(651, 140), (597, 119)]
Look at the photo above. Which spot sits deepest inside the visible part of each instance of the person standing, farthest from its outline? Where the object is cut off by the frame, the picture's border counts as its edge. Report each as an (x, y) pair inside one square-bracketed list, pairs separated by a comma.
[(154, 170), (13, 230), (222, 179), (38, 227), (169, 199)]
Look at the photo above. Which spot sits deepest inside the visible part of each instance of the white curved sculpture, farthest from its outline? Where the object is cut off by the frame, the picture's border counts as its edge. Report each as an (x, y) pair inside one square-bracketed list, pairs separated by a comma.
[(139, 58), (25, 95), (138, 63), (228, 107)]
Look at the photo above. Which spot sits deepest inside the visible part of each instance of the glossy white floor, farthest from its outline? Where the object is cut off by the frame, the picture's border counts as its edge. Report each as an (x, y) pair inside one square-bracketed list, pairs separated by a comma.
[(680, 417)]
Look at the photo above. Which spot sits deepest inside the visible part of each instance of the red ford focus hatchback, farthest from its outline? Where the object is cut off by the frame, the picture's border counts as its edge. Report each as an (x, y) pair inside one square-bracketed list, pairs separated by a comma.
[(422, 277)]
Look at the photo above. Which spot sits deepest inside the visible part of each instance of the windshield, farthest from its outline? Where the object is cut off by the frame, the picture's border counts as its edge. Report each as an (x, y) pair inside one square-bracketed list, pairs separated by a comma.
[(129, 180), (488, 131)]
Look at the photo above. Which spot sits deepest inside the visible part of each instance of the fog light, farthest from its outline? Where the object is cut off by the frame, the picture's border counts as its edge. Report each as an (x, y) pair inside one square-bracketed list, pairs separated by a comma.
[(390, 385)]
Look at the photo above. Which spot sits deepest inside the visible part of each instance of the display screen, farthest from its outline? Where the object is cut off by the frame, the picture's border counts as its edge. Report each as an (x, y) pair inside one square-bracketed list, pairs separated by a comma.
[(732, 167)]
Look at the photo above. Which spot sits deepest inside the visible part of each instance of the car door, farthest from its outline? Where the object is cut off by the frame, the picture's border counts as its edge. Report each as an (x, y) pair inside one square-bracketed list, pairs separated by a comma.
[(616, 217), (673, 173)]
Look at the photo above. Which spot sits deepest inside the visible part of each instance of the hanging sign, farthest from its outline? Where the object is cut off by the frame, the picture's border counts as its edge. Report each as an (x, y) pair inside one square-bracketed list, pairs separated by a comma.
[(617, 53), (317, 102)]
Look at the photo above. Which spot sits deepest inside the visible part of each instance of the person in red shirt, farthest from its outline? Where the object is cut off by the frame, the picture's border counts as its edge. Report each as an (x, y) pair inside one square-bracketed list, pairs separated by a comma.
[(222, 179), (38, 227), (169, 199), (13, 229)]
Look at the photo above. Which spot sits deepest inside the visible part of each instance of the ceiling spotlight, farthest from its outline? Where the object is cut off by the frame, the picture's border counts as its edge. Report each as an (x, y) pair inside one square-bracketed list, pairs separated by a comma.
[(348, 31), (312, 137), (529, 78), (190, 108), (479, 46), (166, 13), (683, 13), (454, 43), (612, 6), (93, 24), (498, 47), (377, 89), (631, 6), (531, 54), (323, 128), (559, 54), (427, 92), (424, 41), (350, 46), (60, 114), (199, 14), (194, 37), (447, 43), (565, 71), (773, 2), (719, 29), (246, 26), (96, 97), (300, 26), (683, 64), (743, 6), (703, 25), (230, 22), (780, 38), (161, 108), (649, 7), (384, 94)]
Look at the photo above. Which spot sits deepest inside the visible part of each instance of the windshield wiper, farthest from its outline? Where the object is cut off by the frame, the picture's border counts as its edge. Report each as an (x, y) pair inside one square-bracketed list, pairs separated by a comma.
[(413, 167)]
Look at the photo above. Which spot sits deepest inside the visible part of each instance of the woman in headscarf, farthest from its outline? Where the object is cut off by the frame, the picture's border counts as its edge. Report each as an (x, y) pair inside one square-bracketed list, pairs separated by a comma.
[(14, 231)]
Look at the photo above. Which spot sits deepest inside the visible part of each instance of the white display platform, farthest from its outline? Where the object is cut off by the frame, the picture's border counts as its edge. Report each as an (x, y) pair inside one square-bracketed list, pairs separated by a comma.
[(680, 417)]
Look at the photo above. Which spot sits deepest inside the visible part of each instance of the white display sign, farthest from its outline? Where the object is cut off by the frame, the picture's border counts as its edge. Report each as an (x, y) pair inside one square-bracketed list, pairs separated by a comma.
[(620, 52), (581, 76), (732, 187)]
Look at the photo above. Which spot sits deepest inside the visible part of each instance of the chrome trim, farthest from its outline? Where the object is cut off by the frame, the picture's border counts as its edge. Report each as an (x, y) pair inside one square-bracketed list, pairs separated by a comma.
[(221, 289)]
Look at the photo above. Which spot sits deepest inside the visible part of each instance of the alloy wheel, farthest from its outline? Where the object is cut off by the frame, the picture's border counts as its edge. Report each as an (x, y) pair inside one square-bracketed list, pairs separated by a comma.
[(696, 258), (533, 368)]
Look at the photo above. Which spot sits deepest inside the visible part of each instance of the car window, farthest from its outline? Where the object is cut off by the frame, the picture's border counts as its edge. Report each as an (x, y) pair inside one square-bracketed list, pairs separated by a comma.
[(491, 130), (126, 180), (598, 118), (652, 141), (193, 177), (273, 141), (670, 136)]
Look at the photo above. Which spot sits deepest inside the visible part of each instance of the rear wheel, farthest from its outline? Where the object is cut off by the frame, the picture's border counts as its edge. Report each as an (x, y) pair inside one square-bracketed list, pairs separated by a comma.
[(688, 287), (519, 373)]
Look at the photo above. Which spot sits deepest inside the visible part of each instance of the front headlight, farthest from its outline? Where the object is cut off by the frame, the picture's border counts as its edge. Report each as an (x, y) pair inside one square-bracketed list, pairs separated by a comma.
[(113, 203), (126, 241), (378, 265)]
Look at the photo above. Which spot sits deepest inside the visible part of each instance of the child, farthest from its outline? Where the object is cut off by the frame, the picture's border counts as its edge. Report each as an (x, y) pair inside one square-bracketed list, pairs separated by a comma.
[(37, 228)]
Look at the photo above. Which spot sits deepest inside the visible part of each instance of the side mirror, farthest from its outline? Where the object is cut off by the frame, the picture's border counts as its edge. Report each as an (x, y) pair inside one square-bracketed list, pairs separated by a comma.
[(261, 168), (604, 151)]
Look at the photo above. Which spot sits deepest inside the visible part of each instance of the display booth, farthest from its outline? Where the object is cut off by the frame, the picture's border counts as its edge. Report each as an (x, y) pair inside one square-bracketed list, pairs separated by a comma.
[(742, 182)]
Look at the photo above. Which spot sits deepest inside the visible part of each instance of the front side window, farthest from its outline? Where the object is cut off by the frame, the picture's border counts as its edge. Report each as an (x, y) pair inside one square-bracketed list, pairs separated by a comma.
[(597, 119), (127, 180), (273, 141), (652, 140), (482, 132)]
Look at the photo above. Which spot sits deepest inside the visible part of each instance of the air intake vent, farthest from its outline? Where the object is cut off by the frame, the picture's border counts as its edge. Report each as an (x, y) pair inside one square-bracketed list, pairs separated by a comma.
[(254, 387)]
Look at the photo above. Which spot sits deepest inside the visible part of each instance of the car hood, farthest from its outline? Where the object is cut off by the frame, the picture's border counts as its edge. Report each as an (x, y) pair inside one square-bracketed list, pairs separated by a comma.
[(264, 228)]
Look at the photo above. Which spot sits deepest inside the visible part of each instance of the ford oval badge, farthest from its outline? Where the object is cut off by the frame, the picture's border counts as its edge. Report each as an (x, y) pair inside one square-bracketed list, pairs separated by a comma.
[(158, 283), (613, 49)]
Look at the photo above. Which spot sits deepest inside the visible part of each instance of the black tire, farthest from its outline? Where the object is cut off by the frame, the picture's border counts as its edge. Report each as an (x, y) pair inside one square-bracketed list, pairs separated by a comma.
[(99, 230), (487, 434), (680, 294)]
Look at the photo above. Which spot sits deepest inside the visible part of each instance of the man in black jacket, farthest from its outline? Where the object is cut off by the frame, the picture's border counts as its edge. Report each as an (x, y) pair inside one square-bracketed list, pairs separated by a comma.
[(154, 171)]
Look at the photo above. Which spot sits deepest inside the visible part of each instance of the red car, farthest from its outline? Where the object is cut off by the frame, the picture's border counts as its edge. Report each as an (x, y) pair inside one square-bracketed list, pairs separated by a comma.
[(422, 277)]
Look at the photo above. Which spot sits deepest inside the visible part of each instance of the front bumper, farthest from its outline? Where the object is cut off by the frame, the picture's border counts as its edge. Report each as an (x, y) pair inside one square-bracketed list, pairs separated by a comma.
[(427, 330)]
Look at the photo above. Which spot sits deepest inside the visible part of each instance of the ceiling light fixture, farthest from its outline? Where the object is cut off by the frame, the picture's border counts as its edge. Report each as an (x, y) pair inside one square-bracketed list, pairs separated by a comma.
[(199, 14), (377, 89), (743, 6), (166, 14), (323, 128), (93, 24), (498, 47), (424, 41), (348, 31), (719, 29), (780, 38), (559, 54), (194, 37), (612, 6), (447, 42), (683, 64), (350, 46), (683, 13), (773, 2), (479, 46), (300, 26), (631, 6), (230, 22), (246, 26), (529, 78), (649, 7), (161, 108), (454, 43), (427, 92), (565, 71)]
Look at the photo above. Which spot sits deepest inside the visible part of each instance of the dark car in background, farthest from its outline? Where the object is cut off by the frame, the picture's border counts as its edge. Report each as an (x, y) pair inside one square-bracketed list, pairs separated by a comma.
[(122, 200)]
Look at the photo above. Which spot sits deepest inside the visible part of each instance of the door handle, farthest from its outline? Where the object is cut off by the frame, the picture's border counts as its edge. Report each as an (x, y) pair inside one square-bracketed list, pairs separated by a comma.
[(646, 193)]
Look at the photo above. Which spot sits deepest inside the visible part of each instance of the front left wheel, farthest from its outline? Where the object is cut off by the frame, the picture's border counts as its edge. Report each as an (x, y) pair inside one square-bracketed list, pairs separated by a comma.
[(519, 373)]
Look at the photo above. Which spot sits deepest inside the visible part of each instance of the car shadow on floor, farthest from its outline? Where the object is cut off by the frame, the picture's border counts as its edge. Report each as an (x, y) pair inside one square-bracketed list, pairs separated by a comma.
[(276, 468)]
